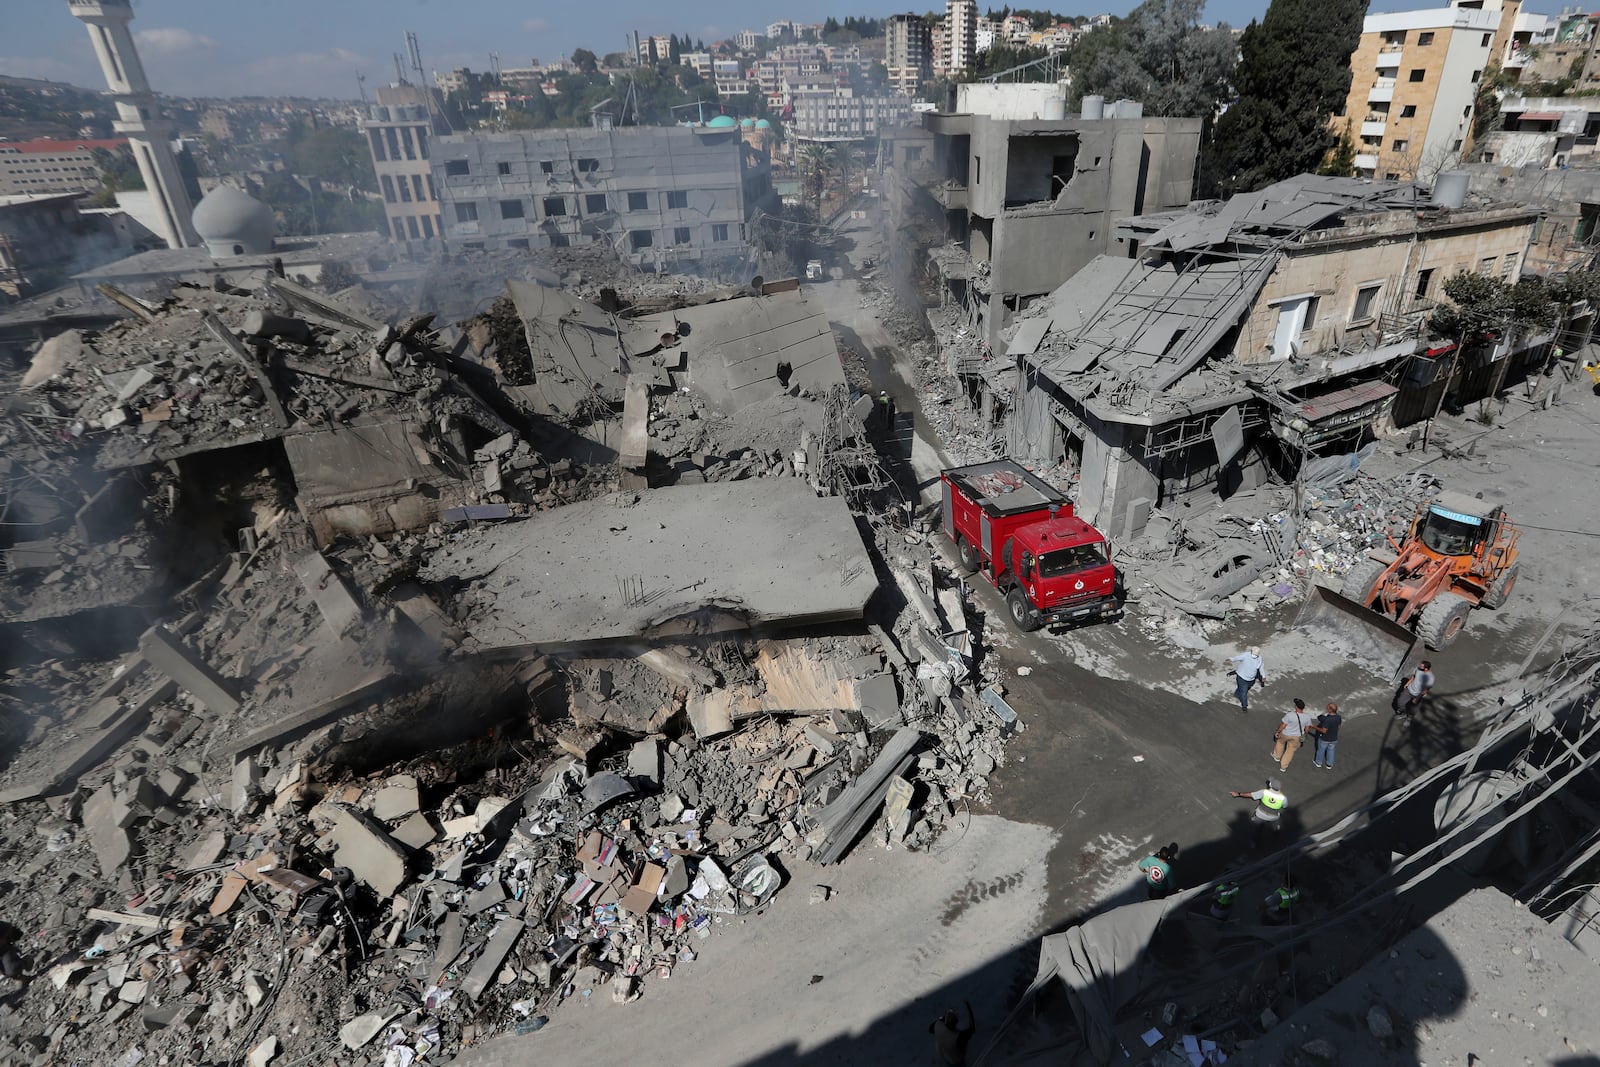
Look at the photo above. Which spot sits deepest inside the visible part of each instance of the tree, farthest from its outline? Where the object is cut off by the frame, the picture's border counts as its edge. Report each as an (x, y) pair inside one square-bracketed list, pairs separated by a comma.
[(585, 61), (1481, 305), (334, 154), (1158, 54), (1294, 73), (1341, 159)]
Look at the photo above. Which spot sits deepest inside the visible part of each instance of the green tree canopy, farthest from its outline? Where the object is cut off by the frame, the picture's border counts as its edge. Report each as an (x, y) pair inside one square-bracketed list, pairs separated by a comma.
[(1293, 76), (333, 154), (1159, 55)]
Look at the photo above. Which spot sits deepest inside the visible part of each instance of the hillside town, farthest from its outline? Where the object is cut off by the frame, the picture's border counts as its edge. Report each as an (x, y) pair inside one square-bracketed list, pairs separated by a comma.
[(788, 544)]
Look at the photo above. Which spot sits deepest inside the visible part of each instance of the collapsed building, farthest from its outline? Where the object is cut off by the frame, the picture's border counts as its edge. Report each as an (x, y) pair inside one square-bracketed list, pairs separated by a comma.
[(1248, 334), (360, 696)]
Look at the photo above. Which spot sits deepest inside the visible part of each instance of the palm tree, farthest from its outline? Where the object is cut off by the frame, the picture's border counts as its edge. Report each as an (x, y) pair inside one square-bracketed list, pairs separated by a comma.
[(816, 161)]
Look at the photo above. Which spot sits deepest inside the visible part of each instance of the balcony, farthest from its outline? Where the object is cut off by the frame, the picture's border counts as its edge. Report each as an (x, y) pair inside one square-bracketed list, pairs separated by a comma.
[(1374, 127), (1382, 91), (1389, 58), (951, 195), (1366, 162)]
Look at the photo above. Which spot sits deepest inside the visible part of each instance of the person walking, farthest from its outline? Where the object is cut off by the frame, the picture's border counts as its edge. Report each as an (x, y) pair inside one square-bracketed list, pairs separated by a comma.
[(1413, 691), (1270, 805), (1290, 734), (950, 1038), (1327, 730), (1157, 868), (1248, 669)]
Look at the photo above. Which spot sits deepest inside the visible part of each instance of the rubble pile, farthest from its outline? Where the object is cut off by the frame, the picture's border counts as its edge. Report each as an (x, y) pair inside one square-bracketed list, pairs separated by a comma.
[(288, 812)]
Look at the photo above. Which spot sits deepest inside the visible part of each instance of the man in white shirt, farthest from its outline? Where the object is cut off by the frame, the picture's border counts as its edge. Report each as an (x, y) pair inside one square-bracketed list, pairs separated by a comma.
[(1247, 671), (1415, 689)]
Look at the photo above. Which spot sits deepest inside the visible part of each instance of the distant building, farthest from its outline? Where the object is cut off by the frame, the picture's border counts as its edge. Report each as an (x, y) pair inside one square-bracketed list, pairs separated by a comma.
[(778, 29), (44, 238), (1414, 84), (837, 113), (699, 61), (460, 80), (400, 127), (747, 40), (663, 197), (961, 31), (729, 77), (1538, 132), (218, 123), (908, 52), (32, 167)]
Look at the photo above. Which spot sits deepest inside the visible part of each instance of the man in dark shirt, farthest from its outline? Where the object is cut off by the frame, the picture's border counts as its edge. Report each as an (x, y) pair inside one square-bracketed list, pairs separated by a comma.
[(950, 1038), (1327, 731)]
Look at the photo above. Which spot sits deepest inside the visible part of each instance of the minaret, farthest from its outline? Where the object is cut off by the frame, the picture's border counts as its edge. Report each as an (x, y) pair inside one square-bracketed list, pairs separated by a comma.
[(139, 120)]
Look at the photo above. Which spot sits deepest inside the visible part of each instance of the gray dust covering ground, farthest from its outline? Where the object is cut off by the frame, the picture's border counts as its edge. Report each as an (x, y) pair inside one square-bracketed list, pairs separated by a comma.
[(901, 937)]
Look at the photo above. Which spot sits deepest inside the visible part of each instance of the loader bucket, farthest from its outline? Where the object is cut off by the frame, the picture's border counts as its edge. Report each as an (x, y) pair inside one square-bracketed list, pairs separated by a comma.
[(1359, 632)]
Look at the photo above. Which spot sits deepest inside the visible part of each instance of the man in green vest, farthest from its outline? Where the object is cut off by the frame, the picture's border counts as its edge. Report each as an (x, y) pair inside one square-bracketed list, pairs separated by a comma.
[(1270, 805), (1279, 906), (1222, 900)]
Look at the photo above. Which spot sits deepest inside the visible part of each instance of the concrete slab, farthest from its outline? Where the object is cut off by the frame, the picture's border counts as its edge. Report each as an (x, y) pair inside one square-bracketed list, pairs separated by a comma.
[(397, 798), (635, 447), (371, 854), (681, 560), (111, 840), (167, 653), (339, 609)]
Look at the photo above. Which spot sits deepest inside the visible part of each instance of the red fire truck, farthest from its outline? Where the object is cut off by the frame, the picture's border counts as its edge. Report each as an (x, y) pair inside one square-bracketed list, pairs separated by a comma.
[(1051, 565)]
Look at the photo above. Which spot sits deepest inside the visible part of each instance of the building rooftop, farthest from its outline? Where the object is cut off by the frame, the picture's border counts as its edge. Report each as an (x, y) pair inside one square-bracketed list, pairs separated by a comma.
[(49, 147)]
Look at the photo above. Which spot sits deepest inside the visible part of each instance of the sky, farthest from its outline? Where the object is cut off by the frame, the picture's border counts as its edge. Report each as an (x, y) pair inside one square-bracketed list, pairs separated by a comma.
[(315, 47)]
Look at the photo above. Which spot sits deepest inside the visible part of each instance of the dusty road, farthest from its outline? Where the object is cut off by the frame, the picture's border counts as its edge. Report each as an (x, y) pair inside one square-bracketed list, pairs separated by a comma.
[(1129, 743)]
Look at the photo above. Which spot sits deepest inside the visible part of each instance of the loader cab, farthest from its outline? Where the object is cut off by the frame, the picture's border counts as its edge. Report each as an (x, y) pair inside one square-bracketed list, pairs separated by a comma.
[(1455, 524)]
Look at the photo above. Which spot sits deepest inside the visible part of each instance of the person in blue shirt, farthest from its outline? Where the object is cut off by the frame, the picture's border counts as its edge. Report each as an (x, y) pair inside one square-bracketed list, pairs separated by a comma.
[(1327, 731), (1248, 669)]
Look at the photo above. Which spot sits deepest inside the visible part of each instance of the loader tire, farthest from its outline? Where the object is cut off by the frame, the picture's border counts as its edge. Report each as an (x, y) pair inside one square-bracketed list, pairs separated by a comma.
[(969, 555), (1442, 621), (1021, 615), (1358, 581), (1500, 591)]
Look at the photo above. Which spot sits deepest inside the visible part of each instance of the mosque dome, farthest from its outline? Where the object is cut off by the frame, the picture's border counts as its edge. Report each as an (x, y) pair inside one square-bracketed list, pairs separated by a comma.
[(722, 122), (233, 223), (763, 124), (745, 124)]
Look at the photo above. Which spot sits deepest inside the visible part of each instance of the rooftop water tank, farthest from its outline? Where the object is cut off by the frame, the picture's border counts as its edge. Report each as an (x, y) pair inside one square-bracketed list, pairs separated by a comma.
[(1094, 106)]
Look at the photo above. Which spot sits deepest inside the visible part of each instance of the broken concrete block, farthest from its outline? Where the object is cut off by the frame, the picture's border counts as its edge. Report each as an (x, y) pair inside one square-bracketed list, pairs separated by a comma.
[(133, 992), (676, 881), (207, 850), (644, 760), (492, 482), (168, 654), (255, 989), (397, 798), (333, 598), (824, 741), (246, 785), (493, 955), (880, 701), (117, 416), (263, 1052), (425, 614), (363, 1028), (112, 842), (415, 832), (135, 382), (367, 849)]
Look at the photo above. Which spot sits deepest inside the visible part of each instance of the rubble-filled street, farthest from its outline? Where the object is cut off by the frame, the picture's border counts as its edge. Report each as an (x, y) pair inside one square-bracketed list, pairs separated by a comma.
[(362, 726)]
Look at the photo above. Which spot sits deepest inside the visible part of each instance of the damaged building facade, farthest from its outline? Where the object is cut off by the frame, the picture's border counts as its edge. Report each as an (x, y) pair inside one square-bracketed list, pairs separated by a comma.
[(668, 198), (1030, 196), (1249, 333)]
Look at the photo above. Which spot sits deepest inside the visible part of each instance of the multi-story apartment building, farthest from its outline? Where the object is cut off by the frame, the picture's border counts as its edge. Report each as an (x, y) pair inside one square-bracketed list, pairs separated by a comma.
[(668, 197), (729, 77), (1415, 78), (939, 40), (961, 29), (776, 30), (838, 113), (747, 40), (400, 127), (34, 167), (908, 52), (700, 61), (1016, 29)]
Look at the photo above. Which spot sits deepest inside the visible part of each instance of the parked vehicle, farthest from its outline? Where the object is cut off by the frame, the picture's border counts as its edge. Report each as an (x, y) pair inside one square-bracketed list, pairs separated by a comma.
[(1023, 535)]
